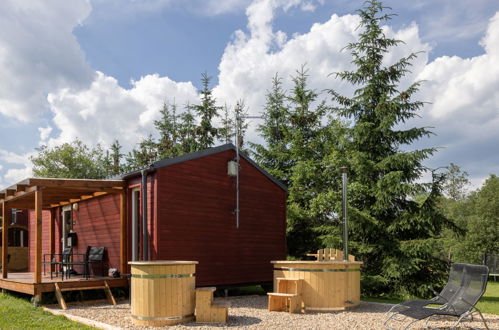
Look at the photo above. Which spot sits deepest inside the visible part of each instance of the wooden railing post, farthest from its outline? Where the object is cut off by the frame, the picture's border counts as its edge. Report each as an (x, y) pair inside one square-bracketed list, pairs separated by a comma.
[(6, 212), (38, 235)]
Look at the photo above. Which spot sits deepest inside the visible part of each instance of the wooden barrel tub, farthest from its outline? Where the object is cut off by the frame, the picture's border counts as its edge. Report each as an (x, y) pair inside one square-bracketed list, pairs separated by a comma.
[(326, 285), (163, 292)]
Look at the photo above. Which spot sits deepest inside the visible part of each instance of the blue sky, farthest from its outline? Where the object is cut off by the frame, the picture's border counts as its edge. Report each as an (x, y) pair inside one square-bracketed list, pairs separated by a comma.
[(99, 70)]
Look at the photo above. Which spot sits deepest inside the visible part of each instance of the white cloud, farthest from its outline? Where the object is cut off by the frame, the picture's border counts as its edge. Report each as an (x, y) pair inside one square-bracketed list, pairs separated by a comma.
[(465, 106), (252, 59), (105, 111), (44, 133), (38, 53), (18, 168)]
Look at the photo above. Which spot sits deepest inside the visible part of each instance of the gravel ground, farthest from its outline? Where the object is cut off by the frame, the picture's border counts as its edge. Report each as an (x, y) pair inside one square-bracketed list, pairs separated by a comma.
[(251, 312)]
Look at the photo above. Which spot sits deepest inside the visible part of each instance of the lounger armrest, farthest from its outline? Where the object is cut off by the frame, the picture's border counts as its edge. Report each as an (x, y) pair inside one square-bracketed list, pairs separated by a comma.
[(437, 295)]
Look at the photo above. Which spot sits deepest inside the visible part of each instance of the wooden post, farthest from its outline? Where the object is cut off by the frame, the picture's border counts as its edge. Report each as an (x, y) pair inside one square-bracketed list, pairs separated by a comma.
[(52, 236), (6, 212), (38, 235), (123, 233)]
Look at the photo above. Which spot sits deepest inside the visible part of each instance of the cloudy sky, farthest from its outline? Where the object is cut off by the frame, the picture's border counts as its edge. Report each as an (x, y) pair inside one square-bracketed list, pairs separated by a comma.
[(99, 70)]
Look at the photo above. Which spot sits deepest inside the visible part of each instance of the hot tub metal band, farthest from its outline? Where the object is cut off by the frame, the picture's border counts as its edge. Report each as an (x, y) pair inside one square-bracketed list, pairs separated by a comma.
[(318, 270), (162, 318), (162, 275)]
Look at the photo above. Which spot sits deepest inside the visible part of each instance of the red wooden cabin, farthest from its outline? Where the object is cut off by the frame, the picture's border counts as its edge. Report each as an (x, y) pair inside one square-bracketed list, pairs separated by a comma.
[(190, 214)]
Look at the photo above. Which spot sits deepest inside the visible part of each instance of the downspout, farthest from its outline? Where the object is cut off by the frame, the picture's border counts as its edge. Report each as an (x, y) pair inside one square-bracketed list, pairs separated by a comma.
[(145, 236)]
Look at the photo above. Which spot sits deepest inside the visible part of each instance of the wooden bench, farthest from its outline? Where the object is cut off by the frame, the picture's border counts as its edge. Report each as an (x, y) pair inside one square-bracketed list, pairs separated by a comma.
[(206, 311), (288, 296), (330, 254)]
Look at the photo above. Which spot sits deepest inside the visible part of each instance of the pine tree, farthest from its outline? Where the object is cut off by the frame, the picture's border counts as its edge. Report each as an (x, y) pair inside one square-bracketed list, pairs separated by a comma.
[(115, 157), (168, 131), (144, 155), (227, 129), (393, 234), (275, 155), (241, 113), (187, 132), (306, 137), (207, 110)]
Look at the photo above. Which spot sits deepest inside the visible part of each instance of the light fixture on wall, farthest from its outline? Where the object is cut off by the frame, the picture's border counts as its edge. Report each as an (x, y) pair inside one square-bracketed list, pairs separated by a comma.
[(75, 207), (232, 168)]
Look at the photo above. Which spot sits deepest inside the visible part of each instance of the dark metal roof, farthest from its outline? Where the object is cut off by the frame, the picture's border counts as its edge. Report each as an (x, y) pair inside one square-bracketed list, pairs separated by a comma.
[(199, 154)]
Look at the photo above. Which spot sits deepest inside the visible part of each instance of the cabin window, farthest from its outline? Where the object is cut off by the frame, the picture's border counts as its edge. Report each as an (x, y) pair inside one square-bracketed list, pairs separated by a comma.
[(17, 237)]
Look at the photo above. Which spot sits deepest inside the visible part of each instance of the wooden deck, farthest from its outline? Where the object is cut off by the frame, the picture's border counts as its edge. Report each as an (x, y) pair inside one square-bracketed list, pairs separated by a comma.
[(24, 283)]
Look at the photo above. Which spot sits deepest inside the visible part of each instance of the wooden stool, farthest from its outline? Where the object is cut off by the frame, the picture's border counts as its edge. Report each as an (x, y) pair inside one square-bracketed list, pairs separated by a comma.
[(206, 311), (288, 296)]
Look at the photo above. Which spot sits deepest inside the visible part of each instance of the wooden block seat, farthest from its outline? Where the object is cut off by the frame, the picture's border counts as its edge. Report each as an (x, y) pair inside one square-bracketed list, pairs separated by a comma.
[(206, 310), (288, 296)]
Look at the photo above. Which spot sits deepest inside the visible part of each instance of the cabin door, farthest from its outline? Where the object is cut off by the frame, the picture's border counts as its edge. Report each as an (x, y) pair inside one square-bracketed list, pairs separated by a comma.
[(67, 226)]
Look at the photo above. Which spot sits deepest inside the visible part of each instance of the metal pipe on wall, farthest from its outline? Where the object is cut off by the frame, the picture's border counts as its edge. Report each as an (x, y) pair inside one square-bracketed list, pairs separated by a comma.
[(344, 209), (135, 224), (145, 236)]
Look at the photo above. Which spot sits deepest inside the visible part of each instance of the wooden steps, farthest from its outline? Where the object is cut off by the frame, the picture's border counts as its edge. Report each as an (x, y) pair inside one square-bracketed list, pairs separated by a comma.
[(60, 298), (206, 311), (288, 296)]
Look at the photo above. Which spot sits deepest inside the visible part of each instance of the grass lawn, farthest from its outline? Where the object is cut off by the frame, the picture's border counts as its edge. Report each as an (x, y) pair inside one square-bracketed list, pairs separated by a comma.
[(16, 313), (488, 304)]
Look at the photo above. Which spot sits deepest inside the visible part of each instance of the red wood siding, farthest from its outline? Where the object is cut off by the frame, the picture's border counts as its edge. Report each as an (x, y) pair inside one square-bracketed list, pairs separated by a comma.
[(195, 220), (97, 223), (32, 234)]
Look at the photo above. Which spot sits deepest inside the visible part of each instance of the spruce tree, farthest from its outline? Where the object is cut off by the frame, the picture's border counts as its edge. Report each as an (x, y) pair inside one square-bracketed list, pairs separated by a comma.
[(274, 156), (392, 232), (144, 155), (168, 131), (227, 129), (115, 157), (187, 132), (306, 137), (241, 113), (207, 110)]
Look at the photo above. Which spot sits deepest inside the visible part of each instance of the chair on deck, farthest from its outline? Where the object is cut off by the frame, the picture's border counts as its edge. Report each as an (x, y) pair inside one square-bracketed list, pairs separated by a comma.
[(56, 259), (93, 255), (461, 305)]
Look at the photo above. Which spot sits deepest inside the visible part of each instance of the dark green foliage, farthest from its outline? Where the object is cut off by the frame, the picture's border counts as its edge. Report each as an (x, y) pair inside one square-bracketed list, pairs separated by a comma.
[(227, 132), (115, 155), (393, 233), (207, 110), (478, 215), (144, 155), (297, 133), (240, 112), (187, 132), (274, 156), (72, 160), (168, 130)]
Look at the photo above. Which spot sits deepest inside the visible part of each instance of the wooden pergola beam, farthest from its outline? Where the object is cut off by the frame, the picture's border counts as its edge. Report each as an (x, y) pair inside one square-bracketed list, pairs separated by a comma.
[(38, 236)]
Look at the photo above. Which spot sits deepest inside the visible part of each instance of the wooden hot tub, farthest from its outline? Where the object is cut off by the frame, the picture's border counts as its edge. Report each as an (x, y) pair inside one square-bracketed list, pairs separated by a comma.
[(162, 292), (326, 285)]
